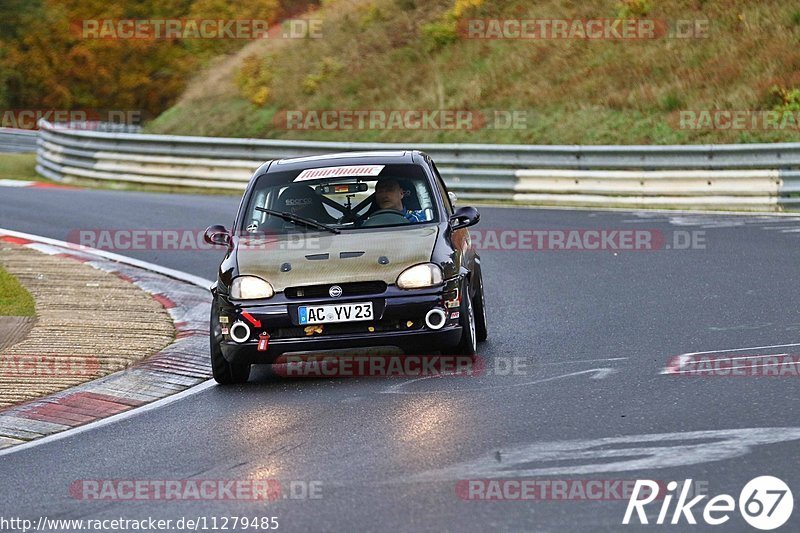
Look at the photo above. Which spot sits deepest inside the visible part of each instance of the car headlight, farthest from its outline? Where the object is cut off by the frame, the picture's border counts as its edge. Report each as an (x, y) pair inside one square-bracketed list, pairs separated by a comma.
[(420, 276), (251, 288)]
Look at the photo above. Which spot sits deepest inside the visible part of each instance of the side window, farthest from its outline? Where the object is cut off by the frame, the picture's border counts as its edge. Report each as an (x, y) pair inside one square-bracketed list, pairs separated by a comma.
[(442, 189)]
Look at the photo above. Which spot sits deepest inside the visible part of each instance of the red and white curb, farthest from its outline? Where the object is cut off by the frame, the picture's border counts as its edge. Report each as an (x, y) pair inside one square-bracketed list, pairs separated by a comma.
[(177, 368)]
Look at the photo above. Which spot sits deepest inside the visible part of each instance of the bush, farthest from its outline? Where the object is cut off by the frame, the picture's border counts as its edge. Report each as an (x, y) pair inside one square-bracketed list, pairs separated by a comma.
[(328, 68), (254, 80), (784, 99), (672, 102), (439, 34), (444, 31), (633, 9)]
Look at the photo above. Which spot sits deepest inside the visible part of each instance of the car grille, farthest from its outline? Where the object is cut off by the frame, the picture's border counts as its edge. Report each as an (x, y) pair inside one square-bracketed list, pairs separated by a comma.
[(348, 289)]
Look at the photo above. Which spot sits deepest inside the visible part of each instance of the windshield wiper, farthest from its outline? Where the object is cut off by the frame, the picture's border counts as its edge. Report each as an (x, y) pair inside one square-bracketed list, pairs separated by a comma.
[(298, 220)]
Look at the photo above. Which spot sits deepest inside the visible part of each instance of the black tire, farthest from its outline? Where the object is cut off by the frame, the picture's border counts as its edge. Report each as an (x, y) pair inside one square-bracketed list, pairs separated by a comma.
[(468, 343), (480, 314), (224, 373)]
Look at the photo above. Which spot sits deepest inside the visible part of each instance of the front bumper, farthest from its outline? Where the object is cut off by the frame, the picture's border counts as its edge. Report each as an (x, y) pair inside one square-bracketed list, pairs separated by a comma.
[(399, 322)]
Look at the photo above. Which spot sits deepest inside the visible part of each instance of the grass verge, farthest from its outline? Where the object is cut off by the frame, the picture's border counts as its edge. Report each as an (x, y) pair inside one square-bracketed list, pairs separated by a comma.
[(18, 167), (14, 299)]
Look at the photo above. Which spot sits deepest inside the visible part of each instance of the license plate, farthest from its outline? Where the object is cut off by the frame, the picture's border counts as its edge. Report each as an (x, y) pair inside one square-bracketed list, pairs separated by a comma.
[(330, 314)]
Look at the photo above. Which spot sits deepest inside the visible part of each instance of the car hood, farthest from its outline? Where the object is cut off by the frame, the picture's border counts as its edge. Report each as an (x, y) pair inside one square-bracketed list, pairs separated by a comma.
[(342, 258)]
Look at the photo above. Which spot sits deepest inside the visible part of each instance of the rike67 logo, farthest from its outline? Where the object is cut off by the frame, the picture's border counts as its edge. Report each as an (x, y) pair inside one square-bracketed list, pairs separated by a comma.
[(765, 503)]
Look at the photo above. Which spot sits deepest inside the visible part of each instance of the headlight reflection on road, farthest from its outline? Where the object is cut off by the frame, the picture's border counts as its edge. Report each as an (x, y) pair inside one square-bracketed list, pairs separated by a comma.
[(429, 424)]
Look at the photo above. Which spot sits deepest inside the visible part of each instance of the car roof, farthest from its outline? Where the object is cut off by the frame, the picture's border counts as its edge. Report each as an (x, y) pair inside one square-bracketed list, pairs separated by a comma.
[(346, 159)]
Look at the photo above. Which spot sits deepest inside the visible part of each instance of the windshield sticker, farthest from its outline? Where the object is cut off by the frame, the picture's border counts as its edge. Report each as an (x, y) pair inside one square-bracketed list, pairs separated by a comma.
[(331, 172)]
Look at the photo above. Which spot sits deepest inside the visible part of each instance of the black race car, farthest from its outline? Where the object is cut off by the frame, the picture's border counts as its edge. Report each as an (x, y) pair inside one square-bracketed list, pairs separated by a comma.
[(341, 251)]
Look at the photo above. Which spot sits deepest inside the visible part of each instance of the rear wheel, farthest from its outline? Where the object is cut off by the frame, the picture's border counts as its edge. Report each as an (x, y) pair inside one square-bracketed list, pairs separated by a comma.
[(224, 373)]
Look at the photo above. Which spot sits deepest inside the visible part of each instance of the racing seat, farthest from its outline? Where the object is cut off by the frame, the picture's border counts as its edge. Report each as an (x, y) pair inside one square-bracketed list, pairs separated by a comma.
[(302, 200)]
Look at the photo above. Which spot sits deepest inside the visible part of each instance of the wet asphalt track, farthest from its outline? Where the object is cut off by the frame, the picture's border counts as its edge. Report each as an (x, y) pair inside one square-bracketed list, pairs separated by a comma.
[(594, 329)]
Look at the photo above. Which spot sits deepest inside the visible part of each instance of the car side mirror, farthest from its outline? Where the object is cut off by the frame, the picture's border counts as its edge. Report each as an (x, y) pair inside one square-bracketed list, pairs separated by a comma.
[(217, 236), (464, 218)]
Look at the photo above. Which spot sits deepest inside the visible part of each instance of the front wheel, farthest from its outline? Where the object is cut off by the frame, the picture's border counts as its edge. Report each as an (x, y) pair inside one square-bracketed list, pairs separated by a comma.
[(480, 314), (468, 343), (224, 373)]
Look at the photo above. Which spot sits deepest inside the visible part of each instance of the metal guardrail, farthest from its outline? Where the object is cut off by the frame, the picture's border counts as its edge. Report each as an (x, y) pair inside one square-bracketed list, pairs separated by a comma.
[(15, 140), (755, 176), (24, 141)]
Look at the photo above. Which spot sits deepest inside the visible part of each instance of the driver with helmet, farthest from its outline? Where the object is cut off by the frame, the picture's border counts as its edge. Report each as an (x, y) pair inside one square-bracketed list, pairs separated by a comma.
[(389, 195)]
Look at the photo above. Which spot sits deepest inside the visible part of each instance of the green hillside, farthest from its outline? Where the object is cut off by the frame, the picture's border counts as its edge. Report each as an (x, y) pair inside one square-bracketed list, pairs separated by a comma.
[(410, 55)]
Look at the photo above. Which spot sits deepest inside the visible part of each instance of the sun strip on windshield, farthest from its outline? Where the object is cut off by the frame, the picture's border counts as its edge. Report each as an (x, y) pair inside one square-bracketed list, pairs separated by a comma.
[(335, 172)]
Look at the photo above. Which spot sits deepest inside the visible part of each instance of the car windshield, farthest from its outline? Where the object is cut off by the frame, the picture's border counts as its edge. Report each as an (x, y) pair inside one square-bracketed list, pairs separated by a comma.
[(341, 198)]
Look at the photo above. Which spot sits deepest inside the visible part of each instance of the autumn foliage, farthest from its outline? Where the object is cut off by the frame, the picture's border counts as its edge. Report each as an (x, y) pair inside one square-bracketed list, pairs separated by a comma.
[(46, 64)]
